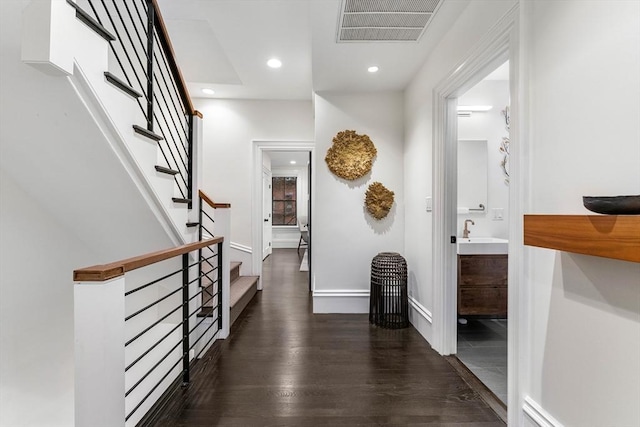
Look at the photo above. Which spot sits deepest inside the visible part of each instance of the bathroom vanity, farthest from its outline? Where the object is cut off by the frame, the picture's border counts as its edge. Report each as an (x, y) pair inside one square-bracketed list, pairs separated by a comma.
[(482, 277)]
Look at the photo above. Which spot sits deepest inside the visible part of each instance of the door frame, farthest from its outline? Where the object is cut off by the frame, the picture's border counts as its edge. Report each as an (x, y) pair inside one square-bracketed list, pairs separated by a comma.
[(501, 43), (258, 148), (266, 172)]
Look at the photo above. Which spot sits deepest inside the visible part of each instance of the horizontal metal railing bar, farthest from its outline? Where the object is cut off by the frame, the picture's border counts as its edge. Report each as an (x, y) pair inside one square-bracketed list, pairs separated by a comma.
[(158, 301), (205, 229), (214, 322), (203, 334), (100, 273), (144, 331), (139, 358), (153, 389), (199, 323), (162, 359), (215, 254), (208, 216), (153, 282)]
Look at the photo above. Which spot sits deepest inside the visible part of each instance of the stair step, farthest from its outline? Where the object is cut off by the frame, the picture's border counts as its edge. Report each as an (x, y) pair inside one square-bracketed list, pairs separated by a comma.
[(91, 23), (235, 270), (168, 171), (144, 132), (242, 292), (180, 200), (205, 312), (111, 78), (193, 224)]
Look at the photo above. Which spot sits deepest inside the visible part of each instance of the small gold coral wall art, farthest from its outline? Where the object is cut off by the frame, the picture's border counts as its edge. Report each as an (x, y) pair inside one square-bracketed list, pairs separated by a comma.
[(379, 200), (351, 155)]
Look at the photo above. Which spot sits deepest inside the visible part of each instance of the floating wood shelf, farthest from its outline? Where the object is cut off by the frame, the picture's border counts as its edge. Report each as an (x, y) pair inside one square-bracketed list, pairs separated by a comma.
[(609, 236)]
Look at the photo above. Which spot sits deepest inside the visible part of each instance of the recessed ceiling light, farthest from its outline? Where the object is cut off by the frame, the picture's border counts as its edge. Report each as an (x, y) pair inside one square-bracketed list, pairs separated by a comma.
[(208, 91), (373, 69), (274, 63), (293, 162)]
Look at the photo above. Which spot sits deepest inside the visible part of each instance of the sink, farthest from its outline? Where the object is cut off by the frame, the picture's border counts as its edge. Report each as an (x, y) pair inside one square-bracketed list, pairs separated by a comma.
[(482, 246)]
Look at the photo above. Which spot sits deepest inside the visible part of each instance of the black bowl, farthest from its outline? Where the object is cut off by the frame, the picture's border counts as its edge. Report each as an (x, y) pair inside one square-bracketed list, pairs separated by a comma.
[(616, 205)]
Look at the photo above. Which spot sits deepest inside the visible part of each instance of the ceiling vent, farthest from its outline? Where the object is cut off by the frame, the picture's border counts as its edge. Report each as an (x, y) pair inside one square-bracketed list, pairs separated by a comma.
[(385, 20)]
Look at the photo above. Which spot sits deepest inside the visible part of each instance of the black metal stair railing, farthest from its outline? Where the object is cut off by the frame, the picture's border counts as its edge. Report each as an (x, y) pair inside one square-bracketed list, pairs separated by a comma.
[(180, 300), (146, 62)]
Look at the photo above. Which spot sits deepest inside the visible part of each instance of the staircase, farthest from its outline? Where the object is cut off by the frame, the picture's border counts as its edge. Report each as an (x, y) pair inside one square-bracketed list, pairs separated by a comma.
[(242, 291)]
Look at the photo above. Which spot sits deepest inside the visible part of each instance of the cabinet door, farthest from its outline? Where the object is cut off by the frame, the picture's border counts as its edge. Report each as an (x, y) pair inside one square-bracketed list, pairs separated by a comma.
[(482, 285)]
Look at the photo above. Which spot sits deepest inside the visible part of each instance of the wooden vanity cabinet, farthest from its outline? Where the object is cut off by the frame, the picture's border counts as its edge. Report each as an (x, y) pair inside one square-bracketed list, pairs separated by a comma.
[(482, 285)]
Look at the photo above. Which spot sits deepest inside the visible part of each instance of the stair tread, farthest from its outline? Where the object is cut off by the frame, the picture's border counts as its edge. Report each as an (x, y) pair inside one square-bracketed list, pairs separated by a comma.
[(180, 200), (122, 85), (83, 16), (235, 264), (240, 286), (166, 170), (147, 133)]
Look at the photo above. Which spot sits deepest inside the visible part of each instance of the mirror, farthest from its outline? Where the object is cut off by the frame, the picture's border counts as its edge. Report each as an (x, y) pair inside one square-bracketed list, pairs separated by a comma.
[(472, 176)]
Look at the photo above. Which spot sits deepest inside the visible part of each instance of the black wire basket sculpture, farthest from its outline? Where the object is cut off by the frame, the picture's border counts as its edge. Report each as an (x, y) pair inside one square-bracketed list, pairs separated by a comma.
[(389, 301)]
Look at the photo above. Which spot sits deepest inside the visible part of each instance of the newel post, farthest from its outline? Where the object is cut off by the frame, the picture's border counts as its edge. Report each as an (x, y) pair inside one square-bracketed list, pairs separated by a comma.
[(99, 353)]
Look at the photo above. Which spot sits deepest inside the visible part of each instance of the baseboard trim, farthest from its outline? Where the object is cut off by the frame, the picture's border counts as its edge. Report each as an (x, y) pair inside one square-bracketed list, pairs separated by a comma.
[(538, 415), (344, 301), (421, 310), (239, 247)]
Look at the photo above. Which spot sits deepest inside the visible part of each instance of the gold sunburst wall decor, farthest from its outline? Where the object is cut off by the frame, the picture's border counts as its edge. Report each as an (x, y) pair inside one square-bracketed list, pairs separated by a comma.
[(351, 155), (378, 200)]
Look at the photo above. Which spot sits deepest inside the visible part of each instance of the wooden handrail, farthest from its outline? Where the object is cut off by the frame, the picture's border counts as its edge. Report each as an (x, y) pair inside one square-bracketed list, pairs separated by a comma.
[(211, 203), (100, 273), (163, 35)]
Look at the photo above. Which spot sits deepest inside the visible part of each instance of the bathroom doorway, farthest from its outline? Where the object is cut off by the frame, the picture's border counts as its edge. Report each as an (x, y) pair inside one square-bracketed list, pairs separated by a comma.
[(483, 229)]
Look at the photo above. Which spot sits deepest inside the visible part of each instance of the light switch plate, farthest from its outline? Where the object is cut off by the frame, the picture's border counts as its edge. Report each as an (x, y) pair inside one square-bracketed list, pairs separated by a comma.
[(497, 214), (429, 204)]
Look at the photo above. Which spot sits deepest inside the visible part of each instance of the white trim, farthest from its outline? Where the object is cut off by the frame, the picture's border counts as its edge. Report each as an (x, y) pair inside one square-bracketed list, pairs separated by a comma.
[(241, 248), (346, 301), (538, 415), (421, 310)]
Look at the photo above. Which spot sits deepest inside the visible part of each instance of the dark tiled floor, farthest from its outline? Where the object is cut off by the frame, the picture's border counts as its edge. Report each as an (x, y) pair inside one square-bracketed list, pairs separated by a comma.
[(482, 347)]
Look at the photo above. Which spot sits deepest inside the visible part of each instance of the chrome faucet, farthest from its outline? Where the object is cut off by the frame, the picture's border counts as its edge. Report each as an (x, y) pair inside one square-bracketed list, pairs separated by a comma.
[(465, 232)]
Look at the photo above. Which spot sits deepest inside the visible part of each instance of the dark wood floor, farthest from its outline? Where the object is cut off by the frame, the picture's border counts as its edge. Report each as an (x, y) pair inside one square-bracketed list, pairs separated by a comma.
[(284, 366)]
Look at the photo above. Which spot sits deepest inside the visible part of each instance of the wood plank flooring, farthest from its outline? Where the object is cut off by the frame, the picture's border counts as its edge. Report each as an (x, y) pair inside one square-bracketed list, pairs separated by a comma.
[(284, 366)]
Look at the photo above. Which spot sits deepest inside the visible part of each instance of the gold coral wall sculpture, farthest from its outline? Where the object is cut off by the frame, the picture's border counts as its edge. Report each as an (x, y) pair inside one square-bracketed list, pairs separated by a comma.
[(378, 200), (351, 155)]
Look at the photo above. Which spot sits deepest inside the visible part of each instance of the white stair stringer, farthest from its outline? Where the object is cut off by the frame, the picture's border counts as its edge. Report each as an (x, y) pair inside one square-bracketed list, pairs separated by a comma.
[(138, 154), (81, 55)]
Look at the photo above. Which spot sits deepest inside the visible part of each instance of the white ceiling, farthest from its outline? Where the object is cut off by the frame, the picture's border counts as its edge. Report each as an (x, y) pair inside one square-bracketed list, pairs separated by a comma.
[(282, 159), (225, 44)]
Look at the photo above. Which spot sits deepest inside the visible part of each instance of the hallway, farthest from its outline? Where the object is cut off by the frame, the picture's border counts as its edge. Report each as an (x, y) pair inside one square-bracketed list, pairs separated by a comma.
[(284, 366)]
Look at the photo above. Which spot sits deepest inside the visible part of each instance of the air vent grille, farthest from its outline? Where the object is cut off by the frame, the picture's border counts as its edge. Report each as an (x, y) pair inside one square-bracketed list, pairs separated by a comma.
[(384, 20)]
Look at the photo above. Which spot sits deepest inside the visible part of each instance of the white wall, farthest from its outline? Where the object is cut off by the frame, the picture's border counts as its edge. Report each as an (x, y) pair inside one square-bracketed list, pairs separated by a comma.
[(345, 237), (584, 139), (489, 126), (36, 311), (230, 126), (473, 22)]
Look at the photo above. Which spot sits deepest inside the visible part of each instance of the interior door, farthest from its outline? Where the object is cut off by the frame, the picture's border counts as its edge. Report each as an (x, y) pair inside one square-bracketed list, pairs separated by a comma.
[(309, 221), (267, 231)]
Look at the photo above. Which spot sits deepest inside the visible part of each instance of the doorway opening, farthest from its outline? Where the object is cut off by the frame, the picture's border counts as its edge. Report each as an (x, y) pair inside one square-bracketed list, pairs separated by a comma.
[(282, 202), (499, 44), (483, 229)]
